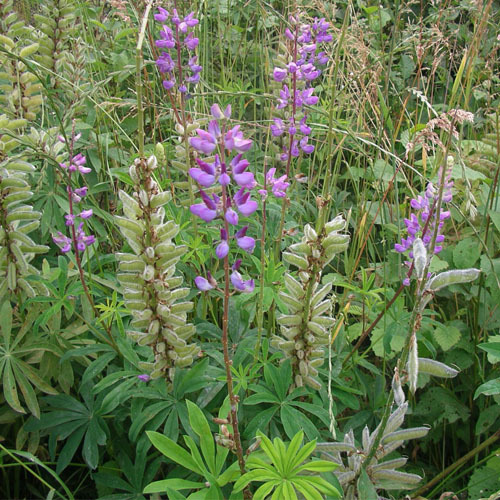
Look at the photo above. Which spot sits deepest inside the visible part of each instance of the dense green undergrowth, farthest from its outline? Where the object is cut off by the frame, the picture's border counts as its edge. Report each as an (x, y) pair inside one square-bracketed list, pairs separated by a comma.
[(139, 360)]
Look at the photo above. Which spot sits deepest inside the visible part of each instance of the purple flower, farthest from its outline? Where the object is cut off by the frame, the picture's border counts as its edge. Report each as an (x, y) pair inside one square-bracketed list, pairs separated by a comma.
[(86, 214), (62, 241), (191, 41), (70, 219), (234, 140), (278, 127), (278, 186), (241, 285), (231, 216), (204, 143), (223, 247), (245, 205), (162, 16), (144, 377), (279, 74), (242, 178), (202, 284), (244, 242), (205, 175)]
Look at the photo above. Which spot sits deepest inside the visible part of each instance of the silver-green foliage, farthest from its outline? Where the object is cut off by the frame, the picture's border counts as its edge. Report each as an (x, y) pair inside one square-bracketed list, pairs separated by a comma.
[(305, 330), (152, 291), (381, 473)]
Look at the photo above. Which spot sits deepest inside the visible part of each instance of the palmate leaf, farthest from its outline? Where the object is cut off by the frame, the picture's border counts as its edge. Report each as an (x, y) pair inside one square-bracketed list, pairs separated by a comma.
[(75, 422), (19, 378), (283, 473)]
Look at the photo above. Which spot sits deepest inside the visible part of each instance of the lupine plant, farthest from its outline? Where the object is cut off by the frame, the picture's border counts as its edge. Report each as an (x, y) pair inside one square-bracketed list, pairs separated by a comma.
[(151, 288)]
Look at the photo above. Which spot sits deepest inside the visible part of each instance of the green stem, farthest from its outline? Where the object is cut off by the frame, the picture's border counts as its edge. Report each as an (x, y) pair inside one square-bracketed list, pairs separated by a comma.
[(138, 78), (456, 464)]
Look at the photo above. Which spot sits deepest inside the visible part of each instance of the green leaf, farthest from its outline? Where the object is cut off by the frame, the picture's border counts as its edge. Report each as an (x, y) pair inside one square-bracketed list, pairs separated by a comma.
[(174, 484), (27, 391), (269, 449), (6, 323), (303, 453), (365, 487), (173, 451), (317, 466), (263, 396), (488, 388), (447, 336), (263, 490), (493, 349), (200, 426), (10, 389), (466, 253), (70, 447)]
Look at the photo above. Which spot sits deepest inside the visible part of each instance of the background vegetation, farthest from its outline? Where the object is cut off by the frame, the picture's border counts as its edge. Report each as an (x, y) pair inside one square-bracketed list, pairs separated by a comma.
[(74, 413)]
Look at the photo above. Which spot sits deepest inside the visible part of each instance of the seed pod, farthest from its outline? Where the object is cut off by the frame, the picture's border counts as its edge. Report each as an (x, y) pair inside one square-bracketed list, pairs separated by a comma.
[(290, 320), (312, 382), (396, 419), (393, 475), (132, 266), (134, 226), (399, 395), (419, 257), (435, 368), (152, 163), (294, 304), (316, 329), (325, 321), (310, 233), (341, 240), (321, 294), (299, 382), (160, 199), (336, 224), (303, 368), (294, 287), (334, 447), (321, 308), (302, 248), (405, 435), (286, 345), (167, 231), (149, 273), (290, 333), (181, 307), (296, 260), (389, 464), (455, 277)]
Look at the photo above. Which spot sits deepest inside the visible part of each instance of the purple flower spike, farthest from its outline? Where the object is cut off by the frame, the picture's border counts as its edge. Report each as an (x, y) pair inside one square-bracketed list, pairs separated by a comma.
[(203, 284), (241, 285)]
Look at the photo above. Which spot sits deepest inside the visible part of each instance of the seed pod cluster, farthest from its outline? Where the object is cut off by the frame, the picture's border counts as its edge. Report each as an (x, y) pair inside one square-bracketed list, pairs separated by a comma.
[(152, 291), (305, 329), (382, 473), (20, 90), (17, 218), (62, 51)]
